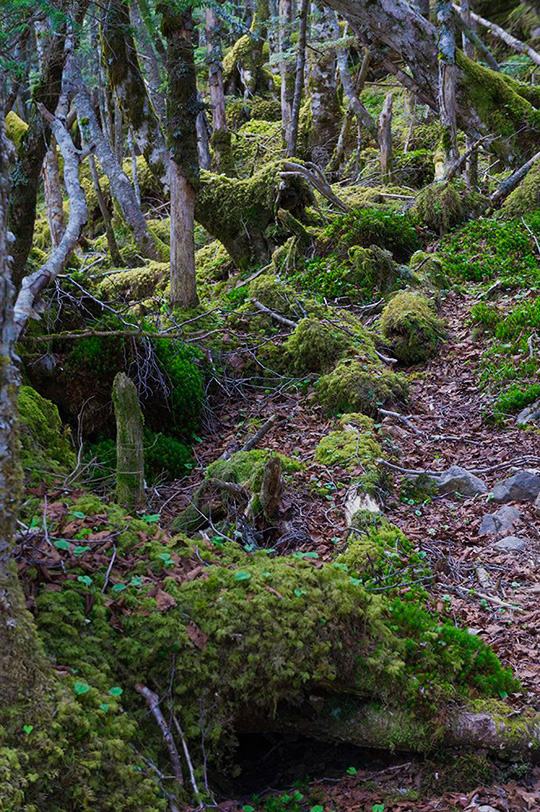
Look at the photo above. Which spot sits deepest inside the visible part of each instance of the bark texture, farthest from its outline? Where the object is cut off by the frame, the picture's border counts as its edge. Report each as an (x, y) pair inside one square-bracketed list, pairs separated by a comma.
[(298, 79), (385, 140), (221, 137), (325, 107), (53, 195)]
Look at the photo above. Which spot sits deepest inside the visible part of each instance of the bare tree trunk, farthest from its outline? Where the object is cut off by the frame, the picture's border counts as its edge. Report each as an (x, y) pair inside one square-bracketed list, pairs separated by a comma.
[(361, 113), (287, 79), (298, 79), (385, 140), (471, 167), (447, 80), (182, 109), (129, 443), (325, 108), (121, 188), (54, 203), (203, 141), (183, 278), (221, 137), (102, 203), (152, 50)]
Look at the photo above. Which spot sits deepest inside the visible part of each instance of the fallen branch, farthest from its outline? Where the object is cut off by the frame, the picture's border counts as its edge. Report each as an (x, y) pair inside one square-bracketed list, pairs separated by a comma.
[(508, 185), (313, 175), (273, 314), (251, 442), (403, 419), (152, 700), (500, 33), (473, 37)]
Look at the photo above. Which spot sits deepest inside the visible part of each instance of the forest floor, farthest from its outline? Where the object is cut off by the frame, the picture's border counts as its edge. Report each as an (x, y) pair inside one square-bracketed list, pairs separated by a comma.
[(494, 594)]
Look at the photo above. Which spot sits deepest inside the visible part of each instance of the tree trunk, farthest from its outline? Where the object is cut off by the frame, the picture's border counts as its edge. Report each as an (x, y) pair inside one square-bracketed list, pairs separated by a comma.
[(287, 79), (126, 78), (54, 203), (362, 115), (487, 102), (129, 443), (447, 80), (221, 137), (24, 671), (325, 108), (182, 109), (32, 150), (121, 187), (471, 167), (385, 141), (183, 277), (298, 79)]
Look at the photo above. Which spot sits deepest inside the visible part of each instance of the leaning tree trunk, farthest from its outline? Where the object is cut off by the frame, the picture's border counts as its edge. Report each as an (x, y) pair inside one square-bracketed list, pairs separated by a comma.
[(486, 102), (126, 78), (298, 79), (54, 202), (182, 109)]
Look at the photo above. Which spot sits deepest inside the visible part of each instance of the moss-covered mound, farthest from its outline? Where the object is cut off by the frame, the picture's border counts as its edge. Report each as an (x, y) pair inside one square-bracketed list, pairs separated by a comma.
[(314, 347), (442, 206), (352, 447), (367, 227), (46, 447), (354, 386), (526, 198), (411, 327)]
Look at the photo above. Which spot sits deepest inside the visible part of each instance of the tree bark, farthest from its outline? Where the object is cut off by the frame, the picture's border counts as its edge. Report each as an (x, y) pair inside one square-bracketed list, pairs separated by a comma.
[(298, 79), (447, 80), (287, 79), (183, 107), (471, 166), (126, 79), (221, 137), (129, 443), (385, 141), (325, 109), (54, 203)]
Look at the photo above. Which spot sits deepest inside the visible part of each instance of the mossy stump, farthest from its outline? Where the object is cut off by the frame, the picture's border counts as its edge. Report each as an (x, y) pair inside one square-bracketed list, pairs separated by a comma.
[(129, 443)]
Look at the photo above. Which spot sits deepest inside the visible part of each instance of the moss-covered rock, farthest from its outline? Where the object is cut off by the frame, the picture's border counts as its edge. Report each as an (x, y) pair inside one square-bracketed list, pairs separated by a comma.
[(136, 284), (359, 387), (526, 198), (46, 447), (411, 327), (442, 206), (365, 227), (415, 168)]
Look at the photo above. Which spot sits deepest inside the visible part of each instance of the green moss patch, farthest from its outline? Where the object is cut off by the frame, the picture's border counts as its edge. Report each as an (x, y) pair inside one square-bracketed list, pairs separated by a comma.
[(411, 327), (46, 447), (358, 387)]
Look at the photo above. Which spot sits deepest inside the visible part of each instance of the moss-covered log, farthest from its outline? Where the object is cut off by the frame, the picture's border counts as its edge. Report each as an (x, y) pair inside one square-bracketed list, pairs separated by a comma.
[(240, 212)]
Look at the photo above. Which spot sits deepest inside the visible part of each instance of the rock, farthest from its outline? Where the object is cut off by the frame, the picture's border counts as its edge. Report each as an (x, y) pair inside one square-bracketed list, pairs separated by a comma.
[(530, 414), (500, 522), (458, 480), (510, 544), (522, 487), (355, 500)]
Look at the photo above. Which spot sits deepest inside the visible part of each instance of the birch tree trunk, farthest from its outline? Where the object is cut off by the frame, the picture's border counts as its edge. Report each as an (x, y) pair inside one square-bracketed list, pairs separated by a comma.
[(182, 109)]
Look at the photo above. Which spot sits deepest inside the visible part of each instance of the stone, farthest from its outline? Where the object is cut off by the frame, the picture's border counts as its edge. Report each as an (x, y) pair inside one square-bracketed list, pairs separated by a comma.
[(511, 544), (458, 480), (355, 500), (530, 414), (522, 487), (500, 522)]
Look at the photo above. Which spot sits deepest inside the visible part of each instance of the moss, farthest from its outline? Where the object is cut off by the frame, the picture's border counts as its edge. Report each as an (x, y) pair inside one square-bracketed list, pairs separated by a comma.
[(349, 449), (367, 227), (356, 386), (505, 106), (266, 109), (255, 140), (415, 168), (439, 207), (411, 327), (426, 267), (136, 284), (15, 128), (45, 443), (526, 198), (371, 197), (313, 347), (279, 296)]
